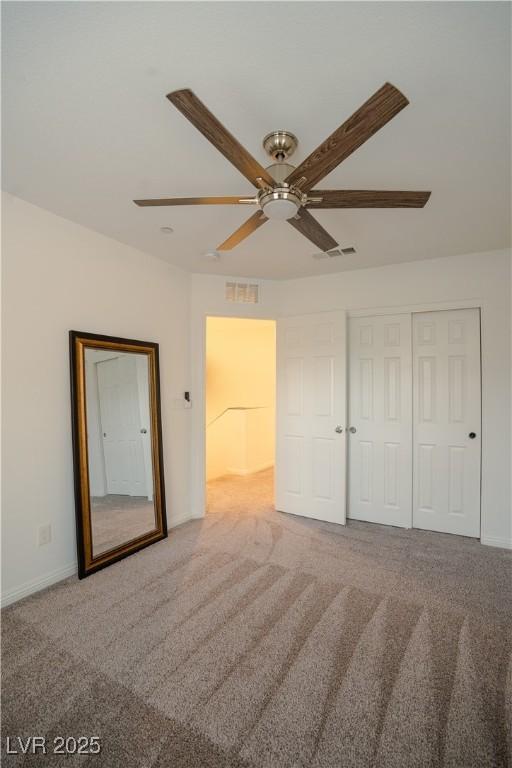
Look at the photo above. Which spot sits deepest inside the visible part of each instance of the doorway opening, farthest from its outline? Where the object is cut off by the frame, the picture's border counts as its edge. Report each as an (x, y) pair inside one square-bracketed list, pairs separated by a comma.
[(240, 413)]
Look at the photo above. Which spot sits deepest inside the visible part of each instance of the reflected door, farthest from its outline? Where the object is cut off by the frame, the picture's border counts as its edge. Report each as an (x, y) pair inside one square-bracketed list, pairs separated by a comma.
[(447, 421), (311, 405), (380, 418), (121, 424)]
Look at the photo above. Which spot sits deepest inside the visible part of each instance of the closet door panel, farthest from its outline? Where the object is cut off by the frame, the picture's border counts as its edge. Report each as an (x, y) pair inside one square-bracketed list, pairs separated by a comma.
[(447, 421), (380, 412)]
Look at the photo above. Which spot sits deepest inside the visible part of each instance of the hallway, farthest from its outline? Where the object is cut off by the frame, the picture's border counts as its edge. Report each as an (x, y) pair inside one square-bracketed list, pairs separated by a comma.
[(245, 495)]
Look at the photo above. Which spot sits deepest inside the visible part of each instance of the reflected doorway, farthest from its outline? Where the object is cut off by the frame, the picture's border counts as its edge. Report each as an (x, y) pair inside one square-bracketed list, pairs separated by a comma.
[(240, 404)]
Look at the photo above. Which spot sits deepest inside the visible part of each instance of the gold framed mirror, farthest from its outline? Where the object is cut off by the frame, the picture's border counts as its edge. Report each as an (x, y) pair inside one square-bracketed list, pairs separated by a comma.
[(117, 448)]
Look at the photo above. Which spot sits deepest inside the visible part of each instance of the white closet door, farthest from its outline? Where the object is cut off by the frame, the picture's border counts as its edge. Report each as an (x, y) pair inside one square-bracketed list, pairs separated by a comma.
[(380, 418), (311, 405), (447, 421)]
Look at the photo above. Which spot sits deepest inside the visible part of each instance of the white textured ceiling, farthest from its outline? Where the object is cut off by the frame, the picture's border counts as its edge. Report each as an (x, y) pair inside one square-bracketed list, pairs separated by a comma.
[(87, 127)]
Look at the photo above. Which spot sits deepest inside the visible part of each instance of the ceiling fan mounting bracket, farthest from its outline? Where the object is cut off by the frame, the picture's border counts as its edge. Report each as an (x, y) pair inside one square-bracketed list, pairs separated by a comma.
[(280, 145)]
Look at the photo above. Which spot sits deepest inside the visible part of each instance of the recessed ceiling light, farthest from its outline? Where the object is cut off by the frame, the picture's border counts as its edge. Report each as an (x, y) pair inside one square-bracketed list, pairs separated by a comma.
[(167, 230)]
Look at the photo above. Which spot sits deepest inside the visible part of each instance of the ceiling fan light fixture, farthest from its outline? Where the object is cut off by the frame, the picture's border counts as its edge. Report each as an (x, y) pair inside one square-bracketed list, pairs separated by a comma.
[(280, 209), (280, 204)]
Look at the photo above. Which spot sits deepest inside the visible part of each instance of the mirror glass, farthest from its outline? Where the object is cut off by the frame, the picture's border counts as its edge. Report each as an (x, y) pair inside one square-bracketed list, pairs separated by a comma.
[(119, 447)]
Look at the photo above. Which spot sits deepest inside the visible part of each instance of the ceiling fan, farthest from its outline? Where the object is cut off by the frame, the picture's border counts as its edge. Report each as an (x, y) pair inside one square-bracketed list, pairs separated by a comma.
[(286, 192)]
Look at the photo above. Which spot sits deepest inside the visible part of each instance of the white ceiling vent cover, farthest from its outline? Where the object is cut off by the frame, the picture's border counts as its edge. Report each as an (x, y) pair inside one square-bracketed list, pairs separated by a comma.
[(334, 252), (242, 293)]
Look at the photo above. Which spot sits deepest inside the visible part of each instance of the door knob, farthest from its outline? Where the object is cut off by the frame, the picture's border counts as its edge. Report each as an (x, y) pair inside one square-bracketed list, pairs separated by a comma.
[(472, 435), (338, 429), (143, 431), (353, 430)]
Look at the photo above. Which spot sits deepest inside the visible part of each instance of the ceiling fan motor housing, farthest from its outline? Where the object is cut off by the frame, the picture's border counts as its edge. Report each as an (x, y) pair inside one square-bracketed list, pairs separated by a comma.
[(280, 171)]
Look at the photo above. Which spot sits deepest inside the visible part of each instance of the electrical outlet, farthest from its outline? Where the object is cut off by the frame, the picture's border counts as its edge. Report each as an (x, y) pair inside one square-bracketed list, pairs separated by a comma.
[(45, 535)]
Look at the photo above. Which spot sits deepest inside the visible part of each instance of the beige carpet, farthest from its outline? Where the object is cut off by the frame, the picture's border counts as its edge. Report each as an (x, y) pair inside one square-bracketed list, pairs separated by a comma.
[(254, 638), (117, 519)]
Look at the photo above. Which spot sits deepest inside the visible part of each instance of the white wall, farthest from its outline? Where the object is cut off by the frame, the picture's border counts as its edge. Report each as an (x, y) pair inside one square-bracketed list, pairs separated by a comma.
[(482, 279), (241, 442), (59, 276)]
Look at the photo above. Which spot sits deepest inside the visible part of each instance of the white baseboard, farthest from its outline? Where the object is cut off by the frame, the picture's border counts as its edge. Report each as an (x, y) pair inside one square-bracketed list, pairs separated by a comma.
[(495, 541), (30, 587), (37, 584), (180, 520)]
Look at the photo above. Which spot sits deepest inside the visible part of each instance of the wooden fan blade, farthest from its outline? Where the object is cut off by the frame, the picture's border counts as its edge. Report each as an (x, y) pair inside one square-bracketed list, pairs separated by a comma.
[(190, 201), (359, 198), (373, 115), (201, 117), (247, 228), (308, 226)]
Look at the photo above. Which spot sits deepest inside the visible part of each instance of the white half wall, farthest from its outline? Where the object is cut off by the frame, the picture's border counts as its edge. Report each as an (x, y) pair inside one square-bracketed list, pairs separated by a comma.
[(59, 276), (470, 280)]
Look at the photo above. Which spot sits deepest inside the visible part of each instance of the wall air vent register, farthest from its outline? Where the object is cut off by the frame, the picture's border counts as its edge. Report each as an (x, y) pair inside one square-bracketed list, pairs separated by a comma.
[(242, 293)]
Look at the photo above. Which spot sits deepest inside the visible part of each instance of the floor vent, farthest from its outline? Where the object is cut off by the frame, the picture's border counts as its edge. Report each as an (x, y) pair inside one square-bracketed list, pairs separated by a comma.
[(242, 293), (335, 252)]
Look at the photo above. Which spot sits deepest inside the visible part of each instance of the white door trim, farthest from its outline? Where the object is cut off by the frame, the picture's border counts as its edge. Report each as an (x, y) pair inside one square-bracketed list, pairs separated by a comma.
[(198, 432), (432, 306)]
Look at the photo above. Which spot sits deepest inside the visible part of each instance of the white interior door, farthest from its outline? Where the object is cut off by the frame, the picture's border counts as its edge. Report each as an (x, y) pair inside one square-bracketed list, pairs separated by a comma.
[(121, 426), (311, 405), (447, 421), (380, 419)]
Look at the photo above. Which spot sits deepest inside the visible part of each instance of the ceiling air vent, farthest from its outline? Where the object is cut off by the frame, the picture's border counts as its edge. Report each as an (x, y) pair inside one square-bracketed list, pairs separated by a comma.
[(334, 252), (242, 293)]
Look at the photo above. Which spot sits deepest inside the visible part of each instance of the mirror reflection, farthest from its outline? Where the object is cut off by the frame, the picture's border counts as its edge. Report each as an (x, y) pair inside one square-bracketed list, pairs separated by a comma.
[(121, 476)]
